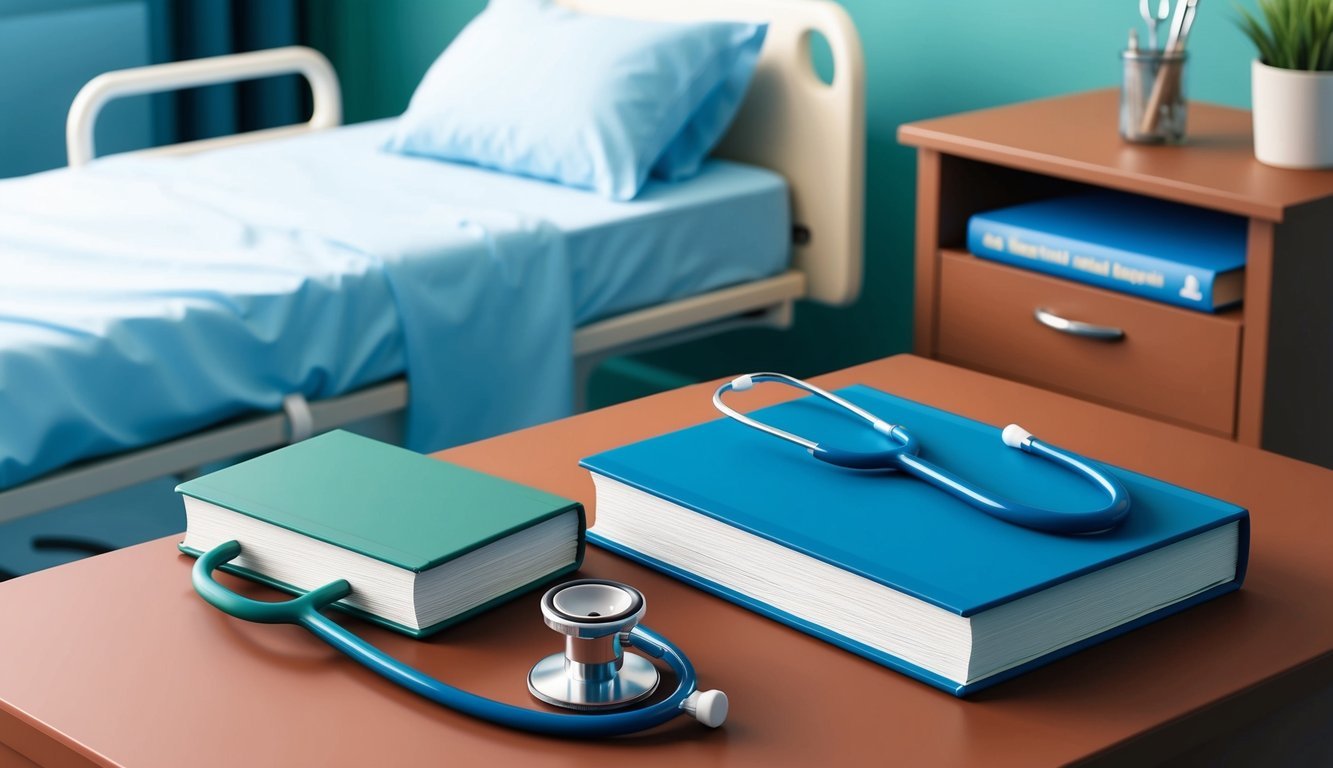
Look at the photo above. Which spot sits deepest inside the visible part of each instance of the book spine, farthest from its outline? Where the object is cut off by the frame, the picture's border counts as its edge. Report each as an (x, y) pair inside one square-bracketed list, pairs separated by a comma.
[(1150, 277)]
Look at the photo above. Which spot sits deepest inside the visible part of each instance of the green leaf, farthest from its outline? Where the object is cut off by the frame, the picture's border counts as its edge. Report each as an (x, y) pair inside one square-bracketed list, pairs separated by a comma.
[(1292, 34)]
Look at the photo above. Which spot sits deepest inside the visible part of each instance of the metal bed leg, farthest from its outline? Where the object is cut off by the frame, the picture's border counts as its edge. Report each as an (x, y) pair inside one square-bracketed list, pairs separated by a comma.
[(584, 365)]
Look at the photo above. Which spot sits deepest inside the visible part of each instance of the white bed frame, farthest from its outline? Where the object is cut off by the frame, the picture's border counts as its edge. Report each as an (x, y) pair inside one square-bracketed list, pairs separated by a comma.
[(810, 132)]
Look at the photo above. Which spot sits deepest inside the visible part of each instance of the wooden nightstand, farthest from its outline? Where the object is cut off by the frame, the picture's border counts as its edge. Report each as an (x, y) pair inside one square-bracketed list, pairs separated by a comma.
[(1261, 374)]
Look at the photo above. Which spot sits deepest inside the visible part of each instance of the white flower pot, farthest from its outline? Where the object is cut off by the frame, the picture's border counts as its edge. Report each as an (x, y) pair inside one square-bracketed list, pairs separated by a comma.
[(1293, 116)]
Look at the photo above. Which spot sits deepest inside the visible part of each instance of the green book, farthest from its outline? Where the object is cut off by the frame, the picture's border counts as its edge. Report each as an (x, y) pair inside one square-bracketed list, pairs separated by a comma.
[(424, 543)]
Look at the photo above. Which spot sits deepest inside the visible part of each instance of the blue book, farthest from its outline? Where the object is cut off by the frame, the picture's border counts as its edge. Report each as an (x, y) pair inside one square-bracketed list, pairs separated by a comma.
[(895, 570), (1177, 254)]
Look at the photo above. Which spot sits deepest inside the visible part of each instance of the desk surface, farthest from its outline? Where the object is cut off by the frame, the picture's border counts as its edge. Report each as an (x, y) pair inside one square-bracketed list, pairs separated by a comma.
[(1075, 137), (115, 660)]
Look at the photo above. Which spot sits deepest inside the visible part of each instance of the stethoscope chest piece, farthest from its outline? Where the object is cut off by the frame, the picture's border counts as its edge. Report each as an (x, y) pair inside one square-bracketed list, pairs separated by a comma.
[(593, 672)]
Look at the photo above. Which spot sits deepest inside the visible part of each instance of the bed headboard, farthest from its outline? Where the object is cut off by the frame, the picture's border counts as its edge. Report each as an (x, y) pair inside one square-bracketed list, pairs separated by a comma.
[(793, 123)]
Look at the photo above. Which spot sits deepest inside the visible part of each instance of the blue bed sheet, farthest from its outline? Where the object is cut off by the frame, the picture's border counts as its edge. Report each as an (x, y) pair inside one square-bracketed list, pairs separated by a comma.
[(144, 298)]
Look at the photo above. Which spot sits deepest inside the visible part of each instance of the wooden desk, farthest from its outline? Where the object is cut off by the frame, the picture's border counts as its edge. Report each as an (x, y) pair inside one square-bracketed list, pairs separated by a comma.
[(115, 660)]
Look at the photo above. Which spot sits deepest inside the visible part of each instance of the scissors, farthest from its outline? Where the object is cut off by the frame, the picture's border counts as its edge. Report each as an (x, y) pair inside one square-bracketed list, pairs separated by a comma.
[(1154, 20), (1182, 19), (904, 455)]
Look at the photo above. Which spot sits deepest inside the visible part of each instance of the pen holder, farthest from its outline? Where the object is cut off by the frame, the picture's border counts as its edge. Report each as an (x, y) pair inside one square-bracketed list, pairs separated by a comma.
[(1152, 96)]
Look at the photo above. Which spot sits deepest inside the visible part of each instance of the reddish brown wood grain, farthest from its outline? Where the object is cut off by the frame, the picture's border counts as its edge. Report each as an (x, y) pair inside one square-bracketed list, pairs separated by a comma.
[(991, 158), (1172, 364), (1075, 137), (114, 660)]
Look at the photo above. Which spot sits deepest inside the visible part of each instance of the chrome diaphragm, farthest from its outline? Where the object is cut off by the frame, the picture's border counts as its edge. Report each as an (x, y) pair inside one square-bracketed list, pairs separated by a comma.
[(593, 672)]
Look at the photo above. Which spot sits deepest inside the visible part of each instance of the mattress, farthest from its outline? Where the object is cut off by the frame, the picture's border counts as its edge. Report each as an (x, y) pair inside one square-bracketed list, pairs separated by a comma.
[(728, 225), (148, 297)]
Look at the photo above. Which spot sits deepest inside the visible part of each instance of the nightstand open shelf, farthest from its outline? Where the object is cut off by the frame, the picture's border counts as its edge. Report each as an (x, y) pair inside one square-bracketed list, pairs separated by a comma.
[(1261, 373)]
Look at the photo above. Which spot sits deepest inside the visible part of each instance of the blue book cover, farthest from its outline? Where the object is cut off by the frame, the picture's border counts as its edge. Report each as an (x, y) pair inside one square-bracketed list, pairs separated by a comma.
[(898, 531), (1178, 254)]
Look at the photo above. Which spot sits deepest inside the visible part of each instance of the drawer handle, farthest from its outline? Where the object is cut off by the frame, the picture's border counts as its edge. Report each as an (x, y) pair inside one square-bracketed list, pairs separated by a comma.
[(1078, 328)]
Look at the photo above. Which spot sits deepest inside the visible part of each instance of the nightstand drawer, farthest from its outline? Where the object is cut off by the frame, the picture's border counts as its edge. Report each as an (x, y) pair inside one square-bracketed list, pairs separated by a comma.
[(1171, 363)]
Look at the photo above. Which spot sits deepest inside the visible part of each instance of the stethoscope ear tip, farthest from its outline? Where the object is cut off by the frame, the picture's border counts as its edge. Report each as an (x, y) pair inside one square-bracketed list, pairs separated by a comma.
[(708, 707), (1015, 436)]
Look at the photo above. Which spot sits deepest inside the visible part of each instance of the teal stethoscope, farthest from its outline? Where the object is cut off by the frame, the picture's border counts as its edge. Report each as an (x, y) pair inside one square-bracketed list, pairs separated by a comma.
[(903, 455), (598, 618)]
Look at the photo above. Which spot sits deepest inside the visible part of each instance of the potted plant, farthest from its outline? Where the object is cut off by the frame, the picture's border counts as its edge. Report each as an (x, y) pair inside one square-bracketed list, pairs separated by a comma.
[(1292, 82)]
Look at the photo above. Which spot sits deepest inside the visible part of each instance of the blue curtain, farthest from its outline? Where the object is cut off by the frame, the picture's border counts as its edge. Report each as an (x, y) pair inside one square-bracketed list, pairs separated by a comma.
[(191, 29)]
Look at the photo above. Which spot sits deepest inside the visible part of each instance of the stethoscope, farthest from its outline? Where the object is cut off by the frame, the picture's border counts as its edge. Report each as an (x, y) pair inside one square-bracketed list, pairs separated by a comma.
[(904, 455), (598, 618)]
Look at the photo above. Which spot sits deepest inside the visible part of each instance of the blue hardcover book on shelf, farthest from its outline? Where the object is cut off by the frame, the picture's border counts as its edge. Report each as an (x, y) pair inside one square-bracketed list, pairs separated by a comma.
[(894, 570), (1178, 254)]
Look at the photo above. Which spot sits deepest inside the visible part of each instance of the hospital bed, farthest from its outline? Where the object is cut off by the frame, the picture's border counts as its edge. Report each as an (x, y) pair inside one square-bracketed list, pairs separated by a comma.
[(796, 136)]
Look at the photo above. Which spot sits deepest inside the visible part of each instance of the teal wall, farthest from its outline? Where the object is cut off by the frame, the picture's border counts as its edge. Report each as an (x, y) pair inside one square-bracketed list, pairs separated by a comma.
[(923, 59)]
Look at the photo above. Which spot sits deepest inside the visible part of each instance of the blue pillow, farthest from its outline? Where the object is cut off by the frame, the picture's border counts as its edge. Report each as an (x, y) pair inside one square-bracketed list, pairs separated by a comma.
[(588, 101), (687, 152)]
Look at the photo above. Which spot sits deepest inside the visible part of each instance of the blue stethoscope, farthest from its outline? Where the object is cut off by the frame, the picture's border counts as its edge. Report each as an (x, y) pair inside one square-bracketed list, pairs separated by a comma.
[(598, 618), (904, 456)]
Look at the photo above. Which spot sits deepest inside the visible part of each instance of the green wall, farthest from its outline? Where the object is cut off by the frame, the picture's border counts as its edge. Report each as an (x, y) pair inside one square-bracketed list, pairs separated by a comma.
[(923, 59)]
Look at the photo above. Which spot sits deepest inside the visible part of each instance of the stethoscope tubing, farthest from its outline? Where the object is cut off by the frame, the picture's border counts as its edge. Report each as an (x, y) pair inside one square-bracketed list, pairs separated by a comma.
[(1080, 522), (904, 455), (305, 611)]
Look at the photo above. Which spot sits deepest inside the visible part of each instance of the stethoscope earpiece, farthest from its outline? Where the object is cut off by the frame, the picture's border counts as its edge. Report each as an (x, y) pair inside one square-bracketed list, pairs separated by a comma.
[(903, 454)]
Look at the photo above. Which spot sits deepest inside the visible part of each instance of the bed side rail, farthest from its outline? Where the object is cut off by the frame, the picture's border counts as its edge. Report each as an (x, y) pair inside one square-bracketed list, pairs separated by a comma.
[(156, 78)]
